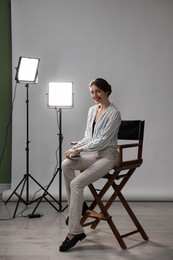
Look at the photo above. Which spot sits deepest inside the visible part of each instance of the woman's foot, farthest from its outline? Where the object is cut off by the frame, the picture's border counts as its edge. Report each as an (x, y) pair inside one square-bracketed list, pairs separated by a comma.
[(71, 241)]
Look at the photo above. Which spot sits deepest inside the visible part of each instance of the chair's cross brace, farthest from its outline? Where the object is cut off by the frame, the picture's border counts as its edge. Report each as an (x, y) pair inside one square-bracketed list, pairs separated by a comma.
[(104, 215), (98, 197), (129, 130), (118, 188), (101, 193)]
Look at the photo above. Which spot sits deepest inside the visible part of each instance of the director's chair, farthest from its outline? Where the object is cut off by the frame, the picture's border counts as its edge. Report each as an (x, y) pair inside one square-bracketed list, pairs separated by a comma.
[(132, 132)]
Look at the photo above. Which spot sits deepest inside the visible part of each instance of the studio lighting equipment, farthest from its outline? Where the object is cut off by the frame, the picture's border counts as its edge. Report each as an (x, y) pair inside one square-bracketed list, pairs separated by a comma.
[(60, 96), (27, 73), (27, 70)]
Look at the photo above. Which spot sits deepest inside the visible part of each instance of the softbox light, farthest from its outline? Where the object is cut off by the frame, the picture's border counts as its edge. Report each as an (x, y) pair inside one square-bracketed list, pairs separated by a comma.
[(60, 95), (27, 70)]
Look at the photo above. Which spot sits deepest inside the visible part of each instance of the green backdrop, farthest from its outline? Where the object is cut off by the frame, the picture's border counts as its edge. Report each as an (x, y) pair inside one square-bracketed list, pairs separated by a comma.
[(5, 91)]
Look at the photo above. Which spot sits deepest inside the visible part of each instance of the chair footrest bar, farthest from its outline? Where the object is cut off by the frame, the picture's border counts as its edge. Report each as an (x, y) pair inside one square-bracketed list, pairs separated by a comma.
[(88, 224), (130, 233), (94, 214)]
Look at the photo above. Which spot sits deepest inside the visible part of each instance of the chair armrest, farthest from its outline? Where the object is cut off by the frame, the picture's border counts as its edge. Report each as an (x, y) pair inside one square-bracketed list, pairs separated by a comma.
[(120, 147)]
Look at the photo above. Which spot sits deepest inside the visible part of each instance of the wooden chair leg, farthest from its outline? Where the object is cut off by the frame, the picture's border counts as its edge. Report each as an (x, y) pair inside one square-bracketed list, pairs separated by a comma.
[(133, 217), (116, 234)]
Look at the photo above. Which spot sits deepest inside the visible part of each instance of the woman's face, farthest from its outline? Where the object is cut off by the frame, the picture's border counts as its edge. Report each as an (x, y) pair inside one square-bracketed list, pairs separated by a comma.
[(98, 95)]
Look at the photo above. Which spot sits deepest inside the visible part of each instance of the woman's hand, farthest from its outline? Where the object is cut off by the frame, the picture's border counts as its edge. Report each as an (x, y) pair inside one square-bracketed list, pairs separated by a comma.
[(69, 152)]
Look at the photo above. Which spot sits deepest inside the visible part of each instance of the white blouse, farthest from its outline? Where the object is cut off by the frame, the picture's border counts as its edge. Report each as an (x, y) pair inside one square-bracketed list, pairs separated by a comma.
[(105, 129)]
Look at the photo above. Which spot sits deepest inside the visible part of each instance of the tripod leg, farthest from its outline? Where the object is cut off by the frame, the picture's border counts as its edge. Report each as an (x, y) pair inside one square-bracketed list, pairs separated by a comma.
[(45, 190), (45, 193), (19, 198), (15, 190)]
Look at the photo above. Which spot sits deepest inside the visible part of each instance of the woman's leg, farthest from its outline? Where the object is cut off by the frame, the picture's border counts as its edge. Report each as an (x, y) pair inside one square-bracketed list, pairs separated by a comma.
[(93, 168), (94, 172), (69, 167)]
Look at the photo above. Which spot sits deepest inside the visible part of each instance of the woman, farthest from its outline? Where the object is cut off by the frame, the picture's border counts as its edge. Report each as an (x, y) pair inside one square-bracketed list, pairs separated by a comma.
[(100, 144)]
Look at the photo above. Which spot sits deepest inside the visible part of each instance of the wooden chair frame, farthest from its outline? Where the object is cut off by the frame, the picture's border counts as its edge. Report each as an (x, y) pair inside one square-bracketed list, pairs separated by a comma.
[(129, 130)]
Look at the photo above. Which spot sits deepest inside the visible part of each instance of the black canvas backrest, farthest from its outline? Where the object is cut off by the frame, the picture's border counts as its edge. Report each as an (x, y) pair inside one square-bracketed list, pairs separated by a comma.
[(131, 130)]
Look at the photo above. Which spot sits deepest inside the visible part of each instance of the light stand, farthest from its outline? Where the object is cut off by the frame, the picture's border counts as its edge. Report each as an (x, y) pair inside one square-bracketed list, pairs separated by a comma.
[(26, 66), (60, 96)]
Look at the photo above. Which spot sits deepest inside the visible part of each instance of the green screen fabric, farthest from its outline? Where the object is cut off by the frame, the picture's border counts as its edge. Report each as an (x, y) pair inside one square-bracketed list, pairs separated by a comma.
[(5, 91)]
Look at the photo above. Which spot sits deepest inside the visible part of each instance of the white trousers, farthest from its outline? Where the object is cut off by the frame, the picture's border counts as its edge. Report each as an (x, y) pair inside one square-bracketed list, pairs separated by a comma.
[(93, 166)]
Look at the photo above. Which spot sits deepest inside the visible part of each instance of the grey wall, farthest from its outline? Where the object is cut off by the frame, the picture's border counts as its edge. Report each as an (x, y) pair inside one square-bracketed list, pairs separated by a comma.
[(128, 42)]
